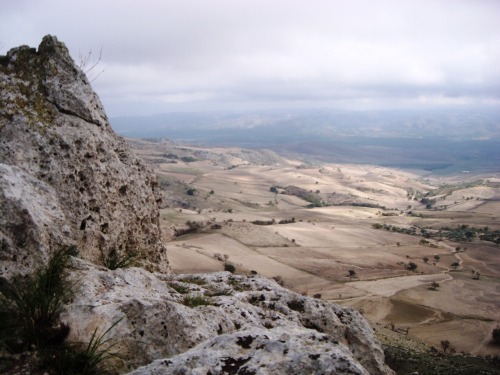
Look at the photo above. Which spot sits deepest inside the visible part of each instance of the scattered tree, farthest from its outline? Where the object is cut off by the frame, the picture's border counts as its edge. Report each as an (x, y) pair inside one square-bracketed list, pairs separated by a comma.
[(455, 265), (495, 336), (437, 257), (434, 285), (445, 344), (425, 259), (352, 273), (411, 266), (229, 267)]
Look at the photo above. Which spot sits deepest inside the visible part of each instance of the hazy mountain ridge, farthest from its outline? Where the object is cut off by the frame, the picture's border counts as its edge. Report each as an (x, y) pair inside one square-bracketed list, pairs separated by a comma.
[(448, 124), (444, 141)]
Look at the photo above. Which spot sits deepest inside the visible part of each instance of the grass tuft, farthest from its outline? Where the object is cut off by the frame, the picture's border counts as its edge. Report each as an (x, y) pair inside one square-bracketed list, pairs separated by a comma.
[(89, 358), (180, 288), (194, 301), (115, 260), (194, 280), (31, 306)]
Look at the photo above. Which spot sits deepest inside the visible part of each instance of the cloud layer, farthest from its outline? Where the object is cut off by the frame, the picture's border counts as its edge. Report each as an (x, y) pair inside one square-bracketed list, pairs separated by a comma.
[(224, 54)]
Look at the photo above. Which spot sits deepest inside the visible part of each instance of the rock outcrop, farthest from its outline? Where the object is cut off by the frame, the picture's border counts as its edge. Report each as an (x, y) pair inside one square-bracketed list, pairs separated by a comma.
[(57, 150), (246, 323)]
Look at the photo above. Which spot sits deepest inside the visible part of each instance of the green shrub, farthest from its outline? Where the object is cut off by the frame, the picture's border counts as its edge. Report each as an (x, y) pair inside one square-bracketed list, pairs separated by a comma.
[(194, 301), (229, 267), (180, 288)]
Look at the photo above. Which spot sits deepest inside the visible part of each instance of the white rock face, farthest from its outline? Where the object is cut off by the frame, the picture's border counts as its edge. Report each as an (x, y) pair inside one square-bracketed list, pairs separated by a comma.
[(29, 206), (251, 322), (53, 127)]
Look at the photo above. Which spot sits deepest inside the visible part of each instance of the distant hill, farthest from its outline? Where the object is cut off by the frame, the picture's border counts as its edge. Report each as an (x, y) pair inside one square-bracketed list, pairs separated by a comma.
[(444, 141)]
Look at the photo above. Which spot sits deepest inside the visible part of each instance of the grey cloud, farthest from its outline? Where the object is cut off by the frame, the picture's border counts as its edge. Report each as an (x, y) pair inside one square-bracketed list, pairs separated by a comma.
[(163, 55)]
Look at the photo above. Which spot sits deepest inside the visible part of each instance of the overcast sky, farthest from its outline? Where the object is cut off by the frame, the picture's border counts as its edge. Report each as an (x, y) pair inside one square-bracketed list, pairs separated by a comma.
[(178, 55)]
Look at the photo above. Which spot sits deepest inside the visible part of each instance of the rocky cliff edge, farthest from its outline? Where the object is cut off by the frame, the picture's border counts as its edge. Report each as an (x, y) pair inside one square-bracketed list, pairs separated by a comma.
[(65, 176)]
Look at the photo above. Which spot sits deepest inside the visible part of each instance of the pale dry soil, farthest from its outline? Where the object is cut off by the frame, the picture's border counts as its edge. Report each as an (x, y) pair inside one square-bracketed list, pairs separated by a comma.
[(315, 253)]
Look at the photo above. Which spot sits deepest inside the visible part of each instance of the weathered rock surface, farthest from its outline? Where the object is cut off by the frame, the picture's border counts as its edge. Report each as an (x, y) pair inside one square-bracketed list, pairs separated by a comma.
[(250, 322), (31, 222), (55, 136)]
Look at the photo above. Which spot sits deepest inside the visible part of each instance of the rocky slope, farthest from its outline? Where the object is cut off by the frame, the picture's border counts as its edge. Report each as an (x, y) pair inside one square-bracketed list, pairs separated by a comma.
[(243, 325), (65, 176), (67, 179)]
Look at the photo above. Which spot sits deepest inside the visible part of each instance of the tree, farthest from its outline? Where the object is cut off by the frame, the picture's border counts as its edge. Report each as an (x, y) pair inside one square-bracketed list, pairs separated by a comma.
[(495, 336), (425, 259), (352, 273), (437, 257), (229, 267), (445, 344), (411, 266), (434, 285), (455, 265)]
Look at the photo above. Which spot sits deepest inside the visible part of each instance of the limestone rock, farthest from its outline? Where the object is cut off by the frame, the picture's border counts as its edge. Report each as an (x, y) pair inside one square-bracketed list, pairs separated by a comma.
[(29, 206), (53, 127), (246, 317), (258, 351)]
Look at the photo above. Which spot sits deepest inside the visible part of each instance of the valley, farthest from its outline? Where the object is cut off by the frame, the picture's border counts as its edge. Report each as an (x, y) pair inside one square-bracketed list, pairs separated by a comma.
[(416, 253)]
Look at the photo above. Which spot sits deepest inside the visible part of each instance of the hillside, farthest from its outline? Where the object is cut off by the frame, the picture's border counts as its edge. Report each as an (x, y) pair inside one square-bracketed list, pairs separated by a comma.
[(346, 232)]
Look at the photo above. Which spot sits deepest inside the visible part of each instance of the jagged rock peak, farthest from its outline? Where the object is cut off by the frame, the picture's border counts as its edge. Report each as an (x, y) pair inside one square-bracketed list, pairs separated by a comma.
[(52, 74), (56, 143)]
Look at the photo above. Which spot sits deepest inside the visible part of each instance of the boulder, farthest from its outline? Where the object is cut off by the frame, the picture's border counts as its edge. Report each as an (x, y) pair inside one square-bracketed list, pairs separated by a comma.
[(203, 322)]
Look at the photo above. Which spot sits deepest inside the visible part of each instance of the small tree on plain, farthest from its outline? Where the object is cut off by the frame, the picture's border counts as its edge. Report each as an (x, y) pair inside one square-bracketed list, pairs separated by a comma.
[(352, 273), (434, 285), (445, 344), (495, 336), (411, 266)]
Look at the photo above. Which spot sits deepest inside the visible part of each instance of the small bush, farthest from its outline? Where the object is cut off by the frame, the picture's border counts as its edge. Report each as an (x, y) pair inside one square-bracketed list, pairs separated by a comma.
[(229, 267), (194, 280), (180, 288), (194, 301)]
